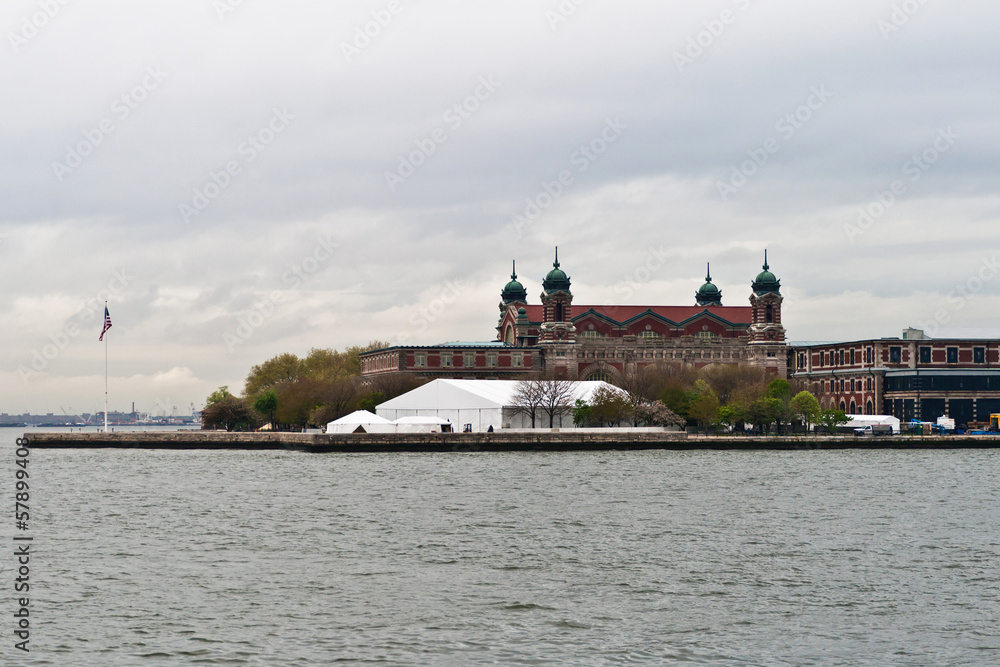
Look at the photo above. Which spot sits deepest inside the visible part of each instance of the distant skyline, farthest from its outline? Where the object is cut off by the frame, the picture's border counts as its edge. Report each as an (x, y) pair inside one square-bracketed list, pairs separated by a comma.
[(242, 179)]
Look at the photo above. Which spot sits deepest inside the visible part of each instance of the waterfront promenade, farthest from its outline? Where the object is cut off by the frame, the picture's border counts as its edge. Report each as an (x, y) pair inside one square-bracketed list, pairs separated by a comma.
[(541, 440)]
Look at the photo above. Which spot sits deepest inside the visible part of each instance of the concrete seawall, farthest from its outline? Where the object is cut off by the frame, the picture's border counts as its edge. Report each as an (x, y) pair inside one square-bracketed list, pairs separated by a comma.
[(487, 442)]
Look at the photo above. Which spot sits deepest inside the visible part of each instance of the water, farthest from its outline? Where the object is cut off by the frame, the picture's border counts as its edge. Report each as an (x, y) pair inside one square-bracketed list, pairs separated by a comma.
[(709, 558)]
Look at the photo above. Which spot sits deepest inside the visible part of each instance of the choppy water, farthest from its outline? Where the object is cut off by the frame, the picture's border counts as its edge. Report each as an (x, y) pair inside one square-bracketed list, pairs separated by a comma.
[(720, 558)]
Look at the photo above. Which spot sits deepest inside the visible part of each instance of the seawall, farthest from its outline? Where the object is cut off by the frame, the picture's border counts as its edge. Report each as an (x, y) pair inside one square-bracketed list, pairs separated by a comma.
[(543, 440)]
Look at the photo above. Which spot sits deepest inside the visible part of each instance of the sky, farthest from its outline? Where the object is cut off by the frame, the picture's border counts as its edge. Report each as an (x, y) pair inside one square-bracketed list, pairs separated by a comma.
[(240, 178)]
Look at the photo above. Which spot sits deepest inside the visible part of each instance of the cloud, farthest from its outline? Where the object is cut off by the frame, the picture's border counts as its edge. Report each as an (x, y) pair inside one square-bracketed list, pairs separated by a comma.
[(323, 176)]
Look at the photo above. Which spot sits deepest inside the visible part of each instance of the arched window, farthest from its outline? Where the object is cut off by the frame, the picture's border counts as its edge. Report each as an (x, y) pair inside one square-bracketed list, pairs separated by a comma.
[(843, 407), (869, 409), (508, 335), (769, 314), (600, 376), (559, 312), (854, 408)]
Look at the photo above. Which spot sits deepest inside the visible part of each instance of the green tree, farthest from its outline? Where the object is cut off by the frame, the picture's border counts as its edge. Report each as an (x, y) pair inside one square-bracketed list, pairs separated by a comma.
[(763, 412), (276, 370), (266, 403), (831, 418), (230, 412), (805, 406), (610, 405), (733, 415), (582, 413), (218, 395)]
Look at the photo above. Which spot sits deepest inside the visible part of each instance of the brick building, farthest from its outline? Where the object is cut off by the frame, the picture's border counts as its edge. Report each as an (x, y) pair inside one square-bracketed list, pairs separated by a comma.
[(912, 377), (604, 342)]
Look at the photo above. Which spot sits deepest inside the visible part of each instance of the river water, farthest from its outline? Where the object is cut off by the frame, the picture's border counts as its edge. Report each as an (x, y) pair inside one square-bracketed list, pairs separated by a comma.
[(708, 558)]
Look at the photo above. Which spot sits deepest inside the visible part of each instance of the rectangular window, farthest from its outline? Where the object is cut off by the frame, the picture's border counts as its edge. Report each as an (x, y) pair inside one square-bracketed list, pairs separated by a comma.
[(852, 356), (517, 360), (925, 355), (421, 359), (469, 359), (446, 360), (833, 386), (895, 355), (852, 384), (952, 355), (491, 360), (841, 357), (979, 355)]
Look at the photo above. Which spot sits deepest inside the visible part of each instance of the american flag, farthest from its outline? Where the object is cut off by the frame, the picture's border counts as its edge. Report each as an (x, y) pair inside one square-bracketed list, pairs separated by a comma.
[(107, 323)]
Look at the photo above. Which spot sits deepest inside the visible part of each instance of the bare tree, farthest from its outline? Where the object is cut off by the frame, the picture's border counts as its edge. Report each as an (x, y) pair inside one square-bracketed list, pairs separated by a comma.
[(556, 397), (528, 399)]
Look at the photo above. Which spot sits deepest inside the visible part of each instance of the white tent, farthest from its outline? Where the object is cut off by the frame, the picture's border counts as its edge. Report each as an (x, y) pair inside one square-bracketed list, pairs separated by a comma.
[(420, 424), (860, 421), (479, 403), (359, 421)]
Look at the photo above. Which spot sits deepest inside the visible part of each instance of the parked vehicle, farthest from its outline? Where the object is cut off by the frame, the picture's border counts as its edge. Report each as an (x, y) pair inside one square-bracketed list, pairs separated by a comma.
[(874, 429)]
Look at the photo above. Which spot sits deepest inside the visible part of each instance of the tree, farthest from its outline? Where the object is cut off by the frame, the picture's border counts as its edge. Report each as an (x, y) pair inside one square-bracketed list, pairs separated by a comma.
[(276, 370), (610, 405), (831, 418), (218, 395), (805, 406), (582, 413), (763, 412), (266, 403), (781, 390), (732, 415), (704, 405), (528, 399), (732, 380), (556, 397), (230, 412), (655, 413)]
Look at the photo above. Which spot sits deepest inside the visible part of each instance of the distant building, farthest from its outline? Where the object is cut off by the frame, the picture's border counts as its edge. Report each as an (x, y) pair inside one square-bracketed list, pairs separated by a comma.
[(603, 342), (912, 377)]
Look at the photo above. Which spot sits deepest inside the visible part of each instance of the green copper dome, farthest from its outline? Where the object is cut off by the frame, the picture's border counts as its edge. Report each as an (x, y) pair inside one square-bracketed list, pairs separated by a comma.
[(514, 291), (766, 282), (708, 294), (556, 280)]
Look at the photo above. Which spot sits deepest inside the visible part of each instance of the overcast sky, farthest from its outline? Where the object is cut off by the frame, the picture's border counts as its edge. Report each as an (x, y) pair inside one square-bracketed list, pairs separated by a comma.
[(245, 178)]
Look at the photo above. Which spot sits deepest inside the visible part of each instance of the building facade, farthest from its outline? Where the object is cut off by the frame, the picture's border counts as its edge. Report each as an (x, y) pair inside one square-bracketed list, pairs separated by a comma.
[(604, 342), (911, 377)]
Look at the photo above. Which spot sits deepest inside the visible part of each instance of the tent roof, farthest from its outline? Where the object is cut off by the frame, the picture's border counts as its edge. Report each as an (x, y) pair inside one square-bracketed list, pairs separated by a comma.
[(361, 417), (421, 420), (439, 394)]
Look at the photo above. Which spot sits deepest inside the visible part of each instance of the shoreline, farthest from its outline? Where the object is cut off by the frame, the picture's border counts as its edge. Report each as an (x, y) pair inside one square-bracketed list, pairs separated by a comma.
[(544, 440)]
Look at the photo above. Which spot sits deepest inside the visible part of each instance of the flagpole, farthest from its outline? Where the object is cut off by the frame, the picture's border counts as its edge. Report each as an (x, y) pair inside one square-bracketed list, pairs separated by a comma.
[(105, 377)]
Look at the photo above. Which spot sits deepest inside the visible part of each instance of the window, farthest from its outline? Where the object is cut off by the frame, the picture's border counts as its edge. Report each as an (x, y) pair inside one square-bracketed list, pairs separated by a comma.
[(421, 359), (952, 355), (869, 355), (895, 355), (852, 356), (590, 333), (833, 386), (707, 335), (925, 355), (841, 357), (518, 360), (469, 359), (491, 359), (852, 387), (769, 314), (446, 359), (979, 355), (649, 335)]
